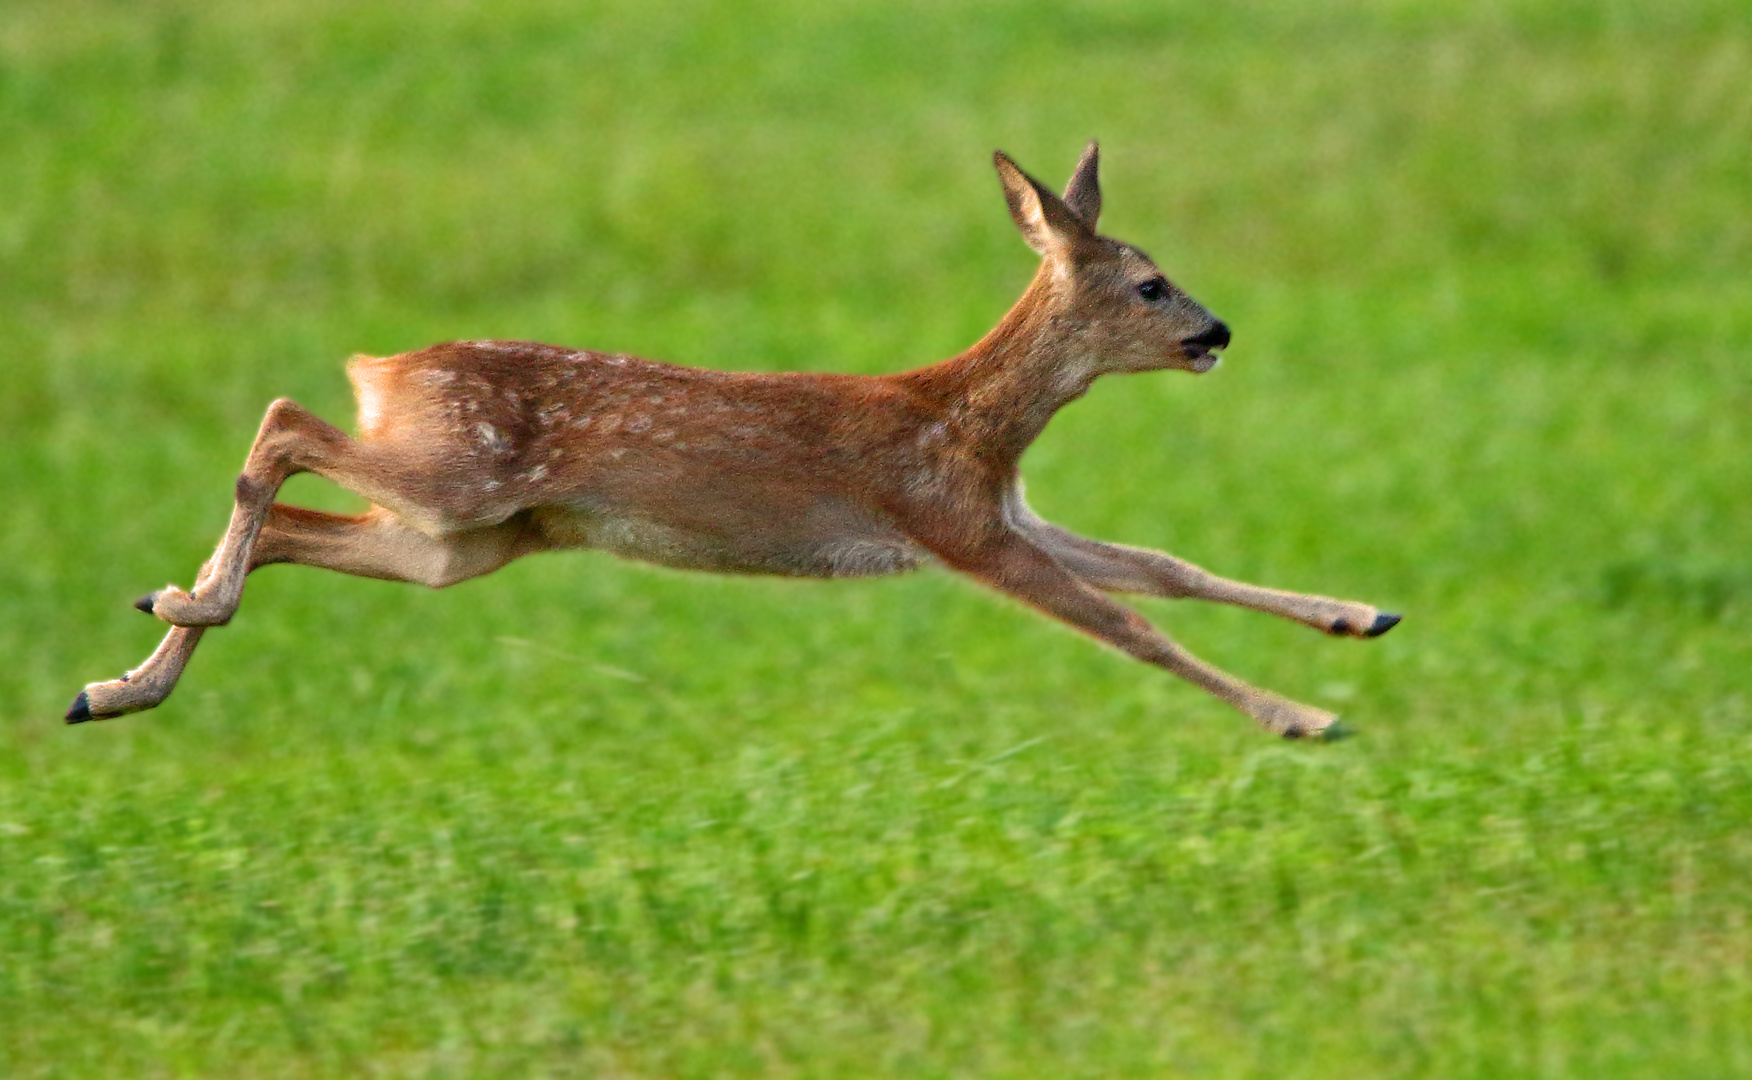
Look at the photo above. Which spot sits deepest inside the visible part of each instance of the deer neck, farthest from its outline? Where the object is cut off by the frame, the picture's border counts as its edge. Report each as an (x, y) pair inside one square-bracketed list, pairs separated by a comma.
[(1002, 391)]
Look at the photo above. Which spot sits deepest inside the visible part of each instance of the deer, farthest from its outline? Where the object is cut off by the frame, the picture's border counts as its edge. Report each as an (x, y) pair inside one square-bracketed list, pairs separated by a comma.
[(475, 453)]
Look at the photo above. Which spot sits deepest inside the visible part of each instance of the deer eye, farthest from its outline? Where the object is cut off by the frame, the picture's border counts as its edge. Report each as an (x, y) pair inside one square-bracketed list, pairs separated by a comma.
[(1154, 289)]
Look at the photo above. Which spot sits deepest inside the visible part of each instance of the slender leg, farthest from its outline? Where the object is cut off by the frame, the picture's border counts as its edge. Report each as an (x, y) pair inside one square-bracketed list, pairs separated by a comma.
[(142, 688), (380, 545), (1016, 566), (270, 461), (291, 440), (376, 545), (1118, 568)]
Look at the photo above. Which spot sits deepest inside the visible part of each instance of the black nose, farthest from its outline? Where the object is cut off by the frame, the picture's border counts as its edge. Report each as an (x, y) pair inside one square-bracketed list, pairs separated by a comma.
[(1216, 336)]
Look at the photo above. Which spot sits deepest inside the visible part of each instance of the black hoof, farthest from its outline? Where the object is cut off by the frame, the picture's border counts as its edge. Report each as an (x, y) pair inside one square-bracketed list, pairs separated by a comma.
[(1337, 731), (145, 602), (81, 710), (1383, 623)]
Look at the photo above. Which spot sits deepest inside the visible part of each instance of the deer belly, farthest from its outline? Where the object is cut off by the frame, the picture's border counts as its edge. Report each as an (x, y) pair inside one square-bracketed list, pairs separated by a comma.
[(816, 545)]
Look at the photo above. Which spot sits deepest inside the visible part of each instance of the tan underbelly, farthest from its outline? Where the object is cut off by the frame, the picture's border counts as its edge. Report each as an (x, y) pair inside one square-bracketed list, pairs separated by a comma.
[(842, 548)]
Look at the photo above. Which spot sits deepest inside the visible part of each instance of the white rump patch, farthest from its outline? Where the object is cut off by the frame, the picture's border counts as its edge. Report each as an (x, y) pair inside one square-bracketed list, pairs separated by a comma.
[(369, 375)]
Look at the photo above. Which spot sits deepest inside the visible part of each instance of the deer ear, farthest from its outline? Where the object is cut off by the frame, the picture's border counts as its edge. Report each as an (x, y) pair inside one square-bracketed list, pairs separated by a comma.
[(1083, 193), (1050, 227)]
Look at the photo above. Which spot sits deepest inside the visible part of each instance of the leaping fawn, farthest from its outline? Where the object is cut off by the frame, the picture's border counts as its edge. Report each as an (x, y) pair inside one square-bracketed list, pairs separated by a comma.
[(475, 453)]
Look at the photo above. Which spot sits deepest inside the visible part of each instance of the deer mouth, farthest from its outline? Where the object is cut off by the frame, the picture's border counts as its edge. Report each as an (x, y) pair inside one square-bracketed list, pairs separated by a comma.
[(1202, 348), (1201, 359)]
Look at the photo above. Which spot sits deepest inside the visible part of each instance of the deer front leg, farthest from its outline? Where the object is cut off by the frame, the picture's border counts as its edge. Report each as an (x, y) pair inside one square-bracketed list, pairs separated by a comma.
[(1118, 568), (1029, 573)]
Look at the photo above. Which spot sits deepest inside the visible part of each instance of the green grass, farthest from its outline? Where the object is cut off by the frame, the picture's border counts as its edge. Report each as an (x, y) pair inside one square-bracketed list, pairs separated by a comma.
[(1488, 267)]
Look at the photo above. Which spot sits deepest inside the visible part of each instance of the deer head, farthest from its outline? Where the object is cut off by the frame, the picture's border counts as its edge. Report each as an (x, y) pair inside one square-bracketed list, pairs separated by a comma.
[(1113, 302)]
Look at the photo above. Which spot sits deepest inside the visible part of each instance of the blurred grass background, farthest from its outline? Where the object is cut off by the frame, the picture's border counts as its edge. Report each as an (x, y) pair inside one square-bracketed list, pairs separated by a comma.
[(1490, 271)]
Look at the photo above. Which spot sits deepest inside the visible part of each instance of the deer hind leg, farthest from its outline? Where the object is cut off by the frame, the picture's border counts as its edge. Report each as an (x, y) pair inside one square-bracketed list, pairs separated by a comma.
[(376, 545), (291, 440), (145, 686), (1032, 574), (1122, 569)]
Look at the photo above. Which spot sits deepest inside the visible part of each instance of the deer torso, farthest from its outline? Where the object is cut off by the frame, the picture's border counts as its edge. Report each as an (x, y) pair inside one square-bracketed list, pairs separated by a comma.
[(795, 474)]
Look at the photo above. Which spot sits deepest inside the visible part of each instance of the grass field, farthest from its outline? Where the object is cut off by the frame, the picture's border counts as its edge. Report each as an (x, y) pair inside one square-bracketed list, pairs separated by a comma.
[(1490, 272)]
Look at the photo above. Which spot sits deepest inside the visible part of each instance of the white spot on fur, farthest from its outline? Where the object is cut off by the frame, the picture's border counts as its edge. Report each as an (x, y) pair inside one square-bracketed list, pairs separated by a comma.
[(491, 438)]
